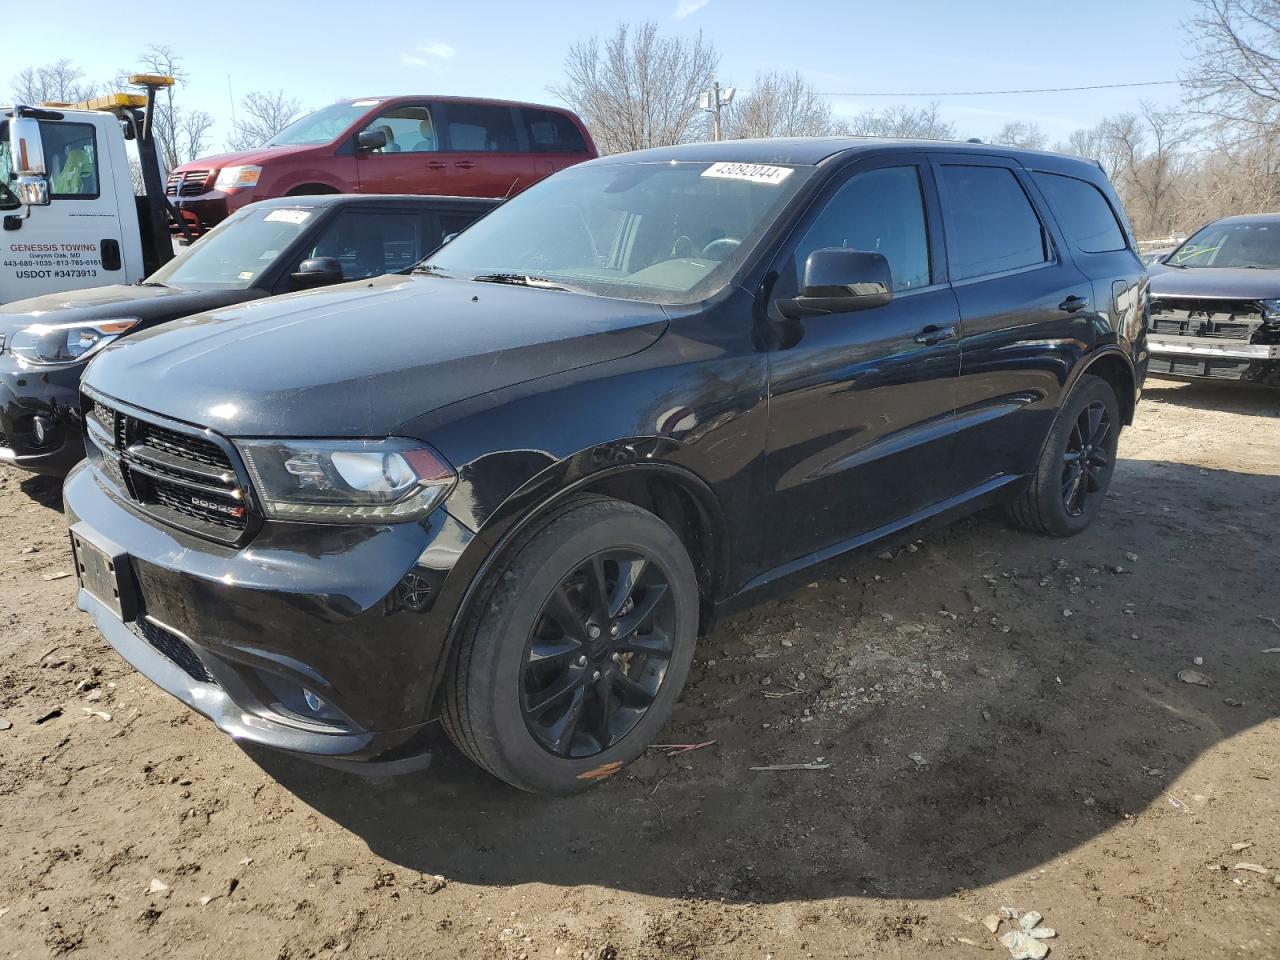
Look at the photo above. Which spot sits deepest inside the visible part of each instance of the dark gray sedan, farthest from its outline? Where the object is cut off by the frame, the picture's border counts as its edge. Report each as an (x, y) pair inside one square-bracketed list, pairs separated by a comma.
[(268, 248)]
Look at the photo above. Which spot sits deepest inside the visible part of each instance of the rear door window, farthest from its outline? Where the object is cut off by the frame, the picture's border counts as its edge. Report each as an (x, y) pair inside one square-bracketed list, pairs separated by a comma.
[(482, 128), (990, 224), (369, 243), (551, 132), (409, 129), (1083, 212)]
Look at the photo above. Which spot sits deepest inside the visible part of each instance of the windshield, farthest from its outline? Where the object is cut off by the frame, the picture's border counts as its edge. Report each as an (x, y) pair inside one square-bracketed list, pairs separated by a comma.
[(237, 251), (8, 199), (662, 232), (1238, 244), (323, 126)]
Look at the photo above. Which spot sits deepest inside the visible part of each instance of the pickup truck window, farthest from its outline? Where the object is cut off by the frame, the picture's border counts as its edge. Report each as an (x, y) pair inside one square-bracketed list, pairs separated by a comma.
[(8, 199), (660, 232), (71, 157)]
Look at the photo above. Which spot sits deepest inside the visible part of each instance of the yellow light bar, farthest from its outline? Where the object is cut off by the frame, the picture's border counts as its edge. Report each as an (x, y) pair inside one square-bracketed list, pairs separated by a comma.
[(112, 101), (150, 80)]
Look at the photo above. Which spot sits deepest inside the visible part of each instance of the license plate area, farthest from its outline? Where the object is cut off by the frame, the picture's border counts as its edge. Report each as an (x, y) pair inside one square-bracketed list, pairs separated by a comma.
[(104, 571)]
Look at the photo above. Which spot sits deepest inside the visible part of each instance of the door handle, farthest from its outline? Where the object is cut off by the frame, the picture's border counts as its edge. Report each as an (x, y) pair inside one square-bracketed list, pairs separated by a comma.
[(436, 164), (1074, 304), (935, 334), (465, 164)]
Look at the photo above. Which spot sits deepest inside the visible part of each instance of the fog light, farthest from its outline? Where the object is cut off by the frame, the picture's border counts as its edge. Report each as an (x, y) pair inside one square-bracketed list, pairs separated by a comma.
[(314, 703), (40, 430)]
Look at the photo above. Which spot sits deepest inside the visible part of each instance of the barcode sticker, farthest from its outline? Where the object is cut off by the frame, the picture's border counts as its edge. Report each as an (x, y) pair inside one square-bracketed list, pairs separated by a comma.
[(754, 172)]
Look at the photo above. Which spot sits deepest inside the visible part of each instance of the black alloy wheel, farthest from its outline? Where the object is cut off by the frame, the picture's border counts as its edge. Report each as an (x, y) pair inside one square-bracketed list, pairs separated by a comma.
[(598, 653), (1087, 460)]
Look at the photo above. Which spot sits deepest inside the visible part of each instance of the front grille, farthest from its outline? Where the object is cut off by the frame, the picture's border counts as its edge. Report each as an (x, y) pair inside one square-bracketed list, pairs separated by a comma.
[(173, 647), (1207, 369), (185, 479), (1196, 317), (188, 183)]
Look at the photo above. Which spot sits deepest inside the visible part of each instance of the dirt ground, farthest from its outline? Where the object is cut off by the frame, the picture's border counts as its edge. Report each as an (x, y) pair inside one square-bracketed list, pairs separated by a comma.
[(1060, 765)]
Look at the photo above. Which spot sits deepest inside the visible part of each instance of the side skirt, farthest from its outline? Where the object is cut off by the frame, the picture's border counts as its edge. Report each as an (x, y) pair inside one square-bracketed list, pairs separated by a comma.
[(784, 577)]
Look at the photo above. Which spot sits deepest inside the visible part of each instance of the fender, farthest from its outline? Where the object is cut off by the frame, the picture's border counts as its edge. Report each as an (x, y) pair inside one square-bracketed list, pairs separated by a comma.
[(1081, 368), (540, 497)]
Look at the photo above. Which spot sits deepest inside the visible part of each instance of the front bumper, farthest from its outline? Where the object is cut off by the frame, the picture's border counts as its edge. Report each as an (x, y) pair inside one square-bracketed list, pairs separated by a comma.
[(212, 207), (346, 613), (40, 426), (1214, 358)]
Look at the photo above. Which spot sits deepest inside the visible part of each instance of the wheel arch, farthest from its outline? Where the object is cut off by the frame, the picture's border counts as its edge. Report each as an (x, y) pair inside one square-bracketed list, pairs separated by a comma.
[(1114, 366), (311, 189), (675, 494)]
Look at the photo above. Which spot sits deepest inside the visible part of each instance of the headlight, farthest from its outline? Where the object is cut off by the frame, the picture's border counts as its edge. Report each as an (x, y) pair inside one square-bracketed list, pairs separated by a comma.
[(66, 342), (340, 481), (1270, 309), (246, 176)]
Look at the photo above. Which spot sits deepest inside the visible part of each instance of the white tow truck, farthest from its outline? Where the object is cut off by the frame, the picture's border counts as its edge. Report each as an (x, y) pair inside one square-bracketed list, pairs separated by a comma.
[(70, 214)]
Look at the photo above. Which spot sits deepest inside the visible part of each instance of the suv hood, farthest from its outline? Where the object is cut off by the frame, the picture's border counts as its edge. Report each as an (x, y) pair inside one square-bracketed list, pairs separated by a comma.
[(360, 359), (1228, 283), (117, 300), (239, 157)]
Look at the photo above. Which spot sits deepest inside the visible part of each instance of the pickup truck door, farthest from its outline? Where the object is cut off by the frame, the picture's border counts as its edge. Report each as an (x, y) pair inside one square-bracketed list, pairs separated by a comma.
[(88, 234)]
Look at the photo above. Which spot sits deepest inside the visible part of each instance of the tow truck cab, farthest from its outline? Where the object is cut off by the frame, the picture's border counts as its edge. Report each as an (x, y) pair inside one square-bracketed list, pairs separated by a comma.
[(71, 216)]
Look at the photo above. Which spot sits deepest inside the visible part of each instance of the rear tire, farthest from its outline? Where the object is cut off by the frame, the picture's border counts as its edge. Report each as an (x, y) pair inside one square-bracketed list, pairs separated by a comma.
[(540, 643), (1071, 480)]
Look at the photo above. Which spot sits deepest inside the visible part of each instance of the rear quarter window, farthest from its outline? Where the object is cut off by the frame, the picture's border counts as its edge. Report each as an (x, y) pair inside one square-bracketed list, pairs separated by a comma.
[(1083, 212), (551, 132)]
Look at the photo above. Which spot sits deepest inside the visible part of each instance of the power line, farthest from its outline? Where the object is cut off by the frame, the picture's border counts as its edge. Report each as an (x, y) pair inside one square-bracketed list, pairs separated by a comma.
[(996, 93)]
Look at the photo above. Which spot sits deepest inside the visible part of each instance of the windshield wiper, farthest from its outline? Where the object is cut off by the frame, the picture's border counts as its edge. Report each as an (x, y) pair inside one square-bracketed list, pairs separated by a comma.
[(430, 270), (523, 280)]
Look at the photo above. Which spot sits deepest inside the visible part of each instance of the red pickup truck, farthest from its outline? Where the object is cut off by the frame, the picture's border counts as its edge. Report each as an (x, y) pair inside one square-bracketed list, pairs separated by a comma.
[(452, 146)]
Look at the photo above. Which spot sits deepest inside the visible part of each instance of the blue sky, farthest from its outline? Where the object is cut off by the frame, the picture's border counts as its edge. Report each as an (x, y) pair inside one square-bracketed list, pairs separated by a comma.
[(321, 51)]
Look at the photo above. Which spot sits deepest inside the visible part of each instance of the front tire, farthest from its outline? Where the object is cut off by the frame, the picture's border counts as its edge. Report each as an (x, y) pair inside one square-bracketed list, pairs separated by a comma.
[(1071, 480), (576, 648)]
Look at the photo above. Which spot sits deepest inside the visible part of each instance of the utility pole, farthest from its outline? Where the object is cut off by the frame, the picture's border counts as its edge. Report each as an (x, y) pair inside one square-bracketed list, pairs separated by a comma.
[(712, 101)]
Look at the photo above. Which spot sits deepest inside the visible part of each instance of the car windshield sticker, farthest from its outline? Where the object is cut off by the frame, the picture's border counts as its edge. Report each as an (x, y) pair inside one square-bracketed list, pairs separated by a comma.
[(288, 216), (246, 274), (755, 172)]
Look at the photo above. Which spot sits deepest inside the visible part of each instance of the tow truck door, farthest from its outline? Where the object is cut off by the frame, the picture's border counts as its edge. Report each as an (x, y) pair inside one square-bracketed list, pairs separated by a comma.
[(88, 235)]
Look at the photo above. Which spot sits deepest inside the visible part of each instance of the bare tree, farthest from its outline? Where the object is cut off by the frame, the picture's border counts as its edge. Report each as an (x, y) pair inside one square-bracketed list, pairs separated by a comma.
[(1021, 133), (779, 105), (920, 123), (1236, 81), (638, 89), (62, 81), (263, 114), (182, 134)]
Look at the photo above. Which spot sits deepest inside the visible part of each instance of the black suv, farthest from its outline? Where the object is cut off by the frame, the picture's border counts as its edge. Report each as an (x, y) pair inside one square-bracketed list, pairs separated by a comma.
[(272, 247), (510, 489)]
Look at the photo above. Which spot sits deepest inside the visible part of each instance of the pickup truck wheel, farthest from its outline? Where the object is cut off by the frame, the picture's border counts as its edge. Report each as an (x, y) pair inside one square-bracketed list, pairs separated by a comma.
[(1071, 480), (575, 649)]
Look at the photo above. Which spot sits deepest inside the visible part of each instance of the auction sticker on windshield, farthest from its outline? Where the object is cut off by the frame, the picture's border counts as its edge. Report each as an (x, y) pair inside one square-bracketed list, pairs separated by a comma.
[(288, 216), (754, 172)]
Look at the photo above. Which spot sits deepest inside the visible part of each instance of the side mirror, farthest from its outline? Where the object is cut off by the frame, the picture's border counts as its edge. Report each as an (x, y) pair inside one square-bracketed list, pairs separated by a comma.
[(838, 280), (317, 272), (33, 191), (27, 147), (371, 139)]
